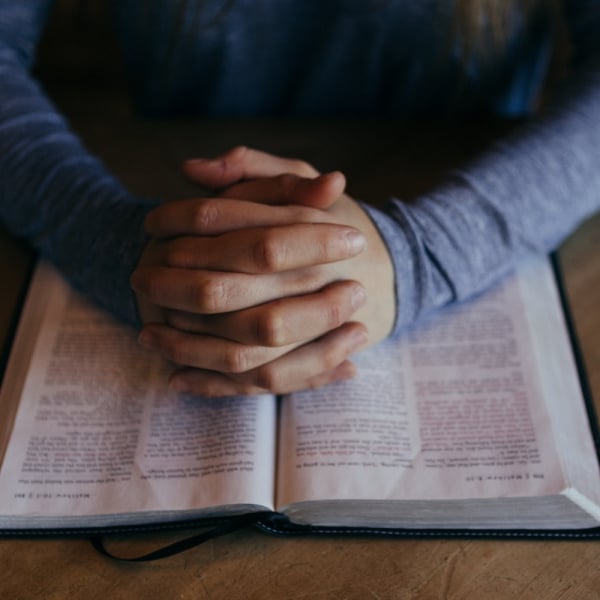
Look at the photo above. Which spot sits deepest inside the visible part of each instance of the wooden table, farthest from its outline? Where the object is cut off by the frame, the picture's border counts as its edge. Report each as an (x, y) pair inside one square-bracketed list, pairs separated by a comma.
[(379, 158)]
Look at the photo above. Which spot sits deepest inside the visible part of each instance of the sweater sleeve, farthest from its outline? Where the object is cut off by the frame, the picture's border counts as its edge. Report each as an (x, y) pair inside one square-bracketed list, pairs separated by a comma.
[(525, 194), (52, 191)]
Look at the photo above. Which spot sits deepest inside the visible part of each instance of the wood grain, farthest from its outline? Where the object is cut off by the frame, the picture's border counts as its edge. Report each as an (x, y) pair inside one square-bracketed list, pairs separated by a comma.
[(379, 158)]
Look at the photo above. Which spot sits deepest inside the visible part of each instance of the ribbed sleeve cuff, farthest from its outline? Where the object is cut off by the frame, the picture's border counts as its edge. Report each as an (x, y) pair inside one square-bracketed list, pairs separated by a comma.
[(419, 284)]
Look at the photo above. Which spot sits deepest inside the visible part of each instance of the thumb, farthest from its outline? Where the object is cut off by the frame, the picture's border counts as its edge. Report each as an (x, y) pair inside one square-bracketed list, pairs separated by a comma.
[(320, 192), (242, 163)]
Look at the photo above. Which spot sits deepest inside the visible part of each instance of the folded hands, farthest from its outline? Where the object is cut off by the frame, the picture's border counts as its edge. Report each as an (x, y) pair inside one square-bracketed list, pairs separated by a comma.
[(268, 286)]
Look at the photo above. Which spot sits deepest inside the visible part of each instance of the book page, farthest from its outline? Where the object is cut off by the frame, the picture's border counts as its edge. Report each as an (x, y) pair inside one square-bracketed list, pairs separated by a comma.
[(452, 410), (98, 433), (561, 388)]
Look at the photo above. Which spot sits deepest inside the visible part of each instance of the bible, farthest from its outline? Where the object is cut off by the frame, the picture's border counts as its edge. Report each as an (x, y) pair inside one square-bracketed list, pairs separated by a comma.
[(473, 421)]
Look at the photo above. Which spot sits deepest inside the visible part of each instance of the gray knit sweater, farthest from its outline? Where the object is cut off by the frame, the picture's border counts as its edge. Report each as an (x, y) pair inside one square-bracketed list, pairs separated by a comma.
[(315, 57)]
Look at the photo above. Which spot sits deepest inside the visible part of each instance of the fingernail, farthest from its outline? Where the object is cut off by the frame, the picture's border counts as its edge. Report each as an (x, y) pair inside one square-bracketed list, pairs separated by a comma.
[(355, 242), (358, 297)]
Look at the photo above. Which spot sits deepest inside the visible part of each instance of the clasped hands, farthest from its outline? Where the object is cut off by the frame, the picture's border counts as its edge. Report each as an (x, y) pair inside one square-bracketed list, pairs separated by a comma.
[(268, 286)]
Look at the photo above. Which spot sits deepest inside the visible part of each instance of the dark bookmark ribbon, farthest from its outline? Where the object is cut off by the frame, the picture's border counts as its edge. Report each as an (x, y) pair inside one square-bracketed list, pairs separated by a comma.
[(233, 524)]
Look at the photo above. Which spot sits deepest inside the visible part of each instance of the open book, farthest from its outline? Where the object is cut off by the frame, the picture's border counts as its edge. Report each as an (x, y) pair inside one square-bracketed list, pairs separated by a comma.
[(475, 419)]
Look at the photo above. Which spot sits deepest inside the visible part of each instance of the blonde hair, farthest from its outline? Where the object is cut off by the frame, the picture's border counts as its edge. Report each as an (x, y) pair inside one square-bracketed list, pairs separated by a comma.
[(482, 28)]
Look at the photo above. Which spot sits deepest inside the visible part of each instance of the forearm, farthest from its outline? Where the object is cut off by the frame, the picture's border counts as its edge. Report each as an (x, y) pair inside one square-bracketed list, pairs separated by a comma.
[(53, 193), (526, 194)]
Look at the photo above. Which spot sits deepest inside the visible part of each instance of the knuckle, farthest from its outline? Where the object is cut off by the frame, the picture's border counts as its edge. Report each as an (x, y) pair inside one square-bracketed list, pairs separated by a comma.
[(269, 253), (233, 161), (210, 295), (334, 316), (327, 248), (237, 153), (270, 329), (236, 359), (205, 215)]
